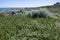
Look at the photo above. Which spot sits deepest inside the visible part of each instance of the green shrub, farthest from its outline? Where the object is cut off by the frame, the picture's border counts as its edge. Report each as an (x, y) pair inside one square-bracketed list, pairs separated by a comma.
[(42, 12), (1, 15)]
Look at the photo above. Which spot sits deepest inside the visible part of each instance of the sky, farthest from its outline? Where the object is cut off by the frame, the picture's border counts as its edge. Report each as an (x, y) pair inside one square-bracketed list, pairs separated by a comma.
[(26, 3)]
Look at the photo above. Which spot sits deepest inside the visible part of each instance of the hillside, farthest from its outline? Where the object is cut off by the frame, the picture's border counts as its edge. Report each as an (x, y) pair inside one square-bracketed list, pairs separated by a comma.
[(55, 8), (39, 23)]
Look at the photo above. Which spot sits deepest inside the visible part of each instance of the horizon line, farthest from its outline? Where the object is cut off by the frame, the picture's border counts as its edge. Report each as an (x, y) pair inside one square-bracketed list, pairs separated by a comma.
[(27, 6)]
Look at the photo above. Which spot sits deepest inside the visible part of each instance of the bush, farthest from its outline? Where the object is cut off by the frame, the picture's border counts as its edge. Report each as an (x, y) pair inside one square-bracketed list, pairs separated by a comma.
[(1, 15), (42, 12), (34, 13)]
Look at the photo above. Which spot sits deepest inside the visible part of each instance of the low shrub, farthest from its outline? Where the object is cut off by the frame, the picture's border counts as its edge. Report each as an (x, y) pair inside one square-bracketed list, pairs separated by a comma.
[(42, 12), (1, 15)]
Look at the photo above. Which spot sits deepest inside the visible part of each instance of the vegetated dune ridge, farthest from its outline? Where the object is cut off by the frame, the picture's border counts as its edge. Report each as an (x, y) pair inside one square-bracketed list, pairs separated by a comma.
[(29, 24)]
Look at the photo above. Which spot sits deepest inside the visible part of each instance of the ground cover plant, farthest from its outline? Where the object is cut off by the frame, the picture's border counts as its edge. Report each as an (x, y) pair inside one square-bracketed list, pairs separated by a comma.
[(22, 27)]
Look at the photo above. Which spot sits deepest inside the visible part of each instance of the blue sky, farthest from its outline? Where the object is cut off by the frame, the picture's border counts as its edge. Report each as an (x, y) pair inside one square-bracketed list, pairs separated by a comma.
[(26, 3)]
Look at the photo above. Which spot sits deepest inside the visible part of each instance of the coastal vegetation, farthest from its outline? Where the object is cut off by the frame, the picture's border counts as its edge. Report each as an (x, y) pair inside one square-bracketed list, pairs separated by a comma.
[(40, 24)]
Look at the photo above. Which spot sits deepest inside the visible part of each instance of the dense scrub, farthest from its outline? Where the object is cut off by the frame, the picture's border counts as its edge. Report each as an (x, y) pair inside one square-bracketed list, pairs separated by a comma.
[(21, 27)]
